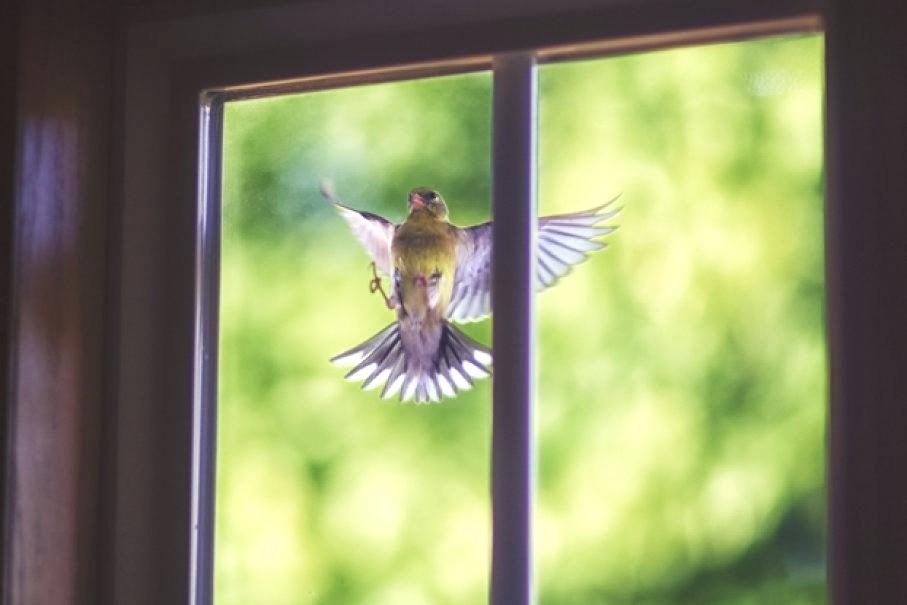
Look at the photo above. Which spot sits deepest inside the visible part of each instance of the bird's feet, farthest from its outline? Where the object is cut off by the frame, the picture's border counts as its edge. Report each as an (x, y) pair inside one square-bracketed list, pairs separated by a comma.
[(375, 286)]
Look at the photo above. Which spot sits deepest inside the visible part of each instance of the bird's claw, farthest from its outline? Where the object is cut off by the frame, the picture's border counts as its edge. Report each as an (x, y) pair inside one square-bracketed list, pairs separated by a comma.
[(374, 285)]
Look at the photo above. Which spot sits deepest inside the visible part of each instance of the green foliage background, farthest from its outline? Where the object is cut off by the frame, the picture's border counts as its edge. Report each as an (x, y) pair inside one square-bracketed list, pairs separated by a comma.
[(682, 372)]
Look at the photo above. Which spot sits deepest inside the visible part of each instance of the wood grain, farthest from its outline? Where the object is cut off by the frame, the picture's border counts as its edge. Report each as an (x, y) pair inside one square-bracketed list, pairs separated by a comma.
[(57, 300)]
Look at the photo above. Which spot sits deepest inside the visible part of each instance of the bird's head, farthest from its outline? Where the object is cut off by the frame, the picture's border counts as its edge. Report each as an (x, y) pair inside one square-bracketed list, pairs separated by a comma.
[(423, 198)]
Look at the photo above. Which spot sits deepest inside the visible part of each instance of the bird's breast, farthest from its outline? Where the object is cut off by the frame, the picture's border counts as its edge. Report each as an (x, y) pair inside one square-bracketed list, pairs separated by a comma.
[(424, 262)]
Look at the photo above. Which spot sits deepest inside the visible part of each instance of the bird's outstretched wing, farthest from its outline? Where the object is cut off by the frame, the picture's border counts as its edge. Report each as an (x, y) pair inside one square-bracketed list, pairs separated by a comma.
[(373, 231), (471, 297), (563, 240)]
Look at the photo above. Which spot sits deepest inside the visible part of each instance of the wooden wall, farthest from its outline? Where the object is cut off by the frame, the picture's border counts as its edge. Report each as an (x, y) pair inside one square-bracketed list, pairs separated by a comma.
[(9, 69), (62, 84)]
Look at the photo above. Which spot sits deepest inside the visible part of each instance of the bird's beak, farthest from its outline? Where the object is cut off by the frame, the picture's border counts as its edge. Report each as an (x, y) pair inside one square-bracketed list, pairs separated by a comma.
[(416, 201)]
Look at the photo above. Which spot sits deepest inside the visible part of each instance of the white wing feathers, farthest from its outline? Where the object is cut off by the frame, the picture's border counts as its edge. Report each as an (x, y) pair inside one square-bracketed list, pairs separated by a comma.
[(563, 240), (373, 231), (471, 297)]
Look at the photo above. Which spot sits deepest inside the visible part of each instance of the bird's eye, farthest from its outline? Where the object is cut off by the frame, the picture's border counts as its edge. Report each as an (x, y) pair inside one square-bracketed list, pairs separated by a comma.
[(433, 196)]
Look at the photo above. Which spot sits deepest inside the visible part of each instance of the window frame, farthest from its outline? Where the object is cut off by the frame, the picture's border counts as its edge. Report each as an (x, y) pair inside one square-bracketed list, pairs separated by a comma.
[(177, 76)]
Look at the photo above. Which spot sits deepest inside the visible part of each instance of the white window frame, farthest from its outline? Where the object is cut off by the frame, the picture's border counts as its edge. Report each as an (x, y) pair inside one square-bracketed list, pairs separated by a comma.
[(177, 76)]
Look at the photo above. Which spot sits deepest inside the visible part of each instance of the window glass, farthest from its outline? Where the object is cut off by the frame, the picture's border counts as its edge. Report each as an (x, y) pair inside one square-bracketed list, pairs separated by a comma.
[(326, 493), (682, 385), (682, 377)]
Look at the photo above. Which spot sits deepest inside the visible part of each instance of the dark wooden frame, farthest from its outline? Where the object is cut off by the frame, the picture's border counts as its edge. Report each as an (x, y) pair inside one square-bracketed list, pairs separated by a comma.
[(105, 431), (866, 267)]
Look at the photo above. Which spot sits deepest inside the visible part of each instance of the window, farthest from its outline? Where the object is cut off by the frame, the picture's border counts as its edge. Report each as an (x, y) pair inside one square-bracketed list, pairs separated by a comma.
[(682, 398), (123, 533), (284, 495), (327, 493)]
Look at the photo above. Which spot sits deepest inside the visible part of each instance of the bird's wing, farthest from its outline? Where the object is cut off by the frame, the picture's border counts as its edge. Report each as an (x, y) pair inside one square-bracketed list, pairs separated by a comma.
[(563, 240), (373, 231), (471, 296)]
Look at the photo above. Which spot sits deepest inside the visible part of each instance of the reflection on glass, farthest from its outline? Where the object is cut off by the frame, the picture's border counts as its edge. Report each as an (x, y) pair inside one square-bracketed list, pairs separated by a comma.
[(326, 493), (682, 379)]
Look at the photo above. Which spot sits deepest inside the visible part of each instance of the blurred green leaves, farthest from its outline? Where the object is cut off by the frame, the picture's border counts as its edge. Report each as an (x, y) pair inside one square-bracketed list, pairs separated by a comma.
[(682, 378), (682, 371)]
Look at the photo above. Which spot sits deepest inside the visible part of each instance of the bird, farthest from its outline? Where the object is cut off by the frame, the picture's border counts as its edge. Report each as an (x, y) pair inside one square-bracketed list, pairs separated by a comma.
[(441, 274)]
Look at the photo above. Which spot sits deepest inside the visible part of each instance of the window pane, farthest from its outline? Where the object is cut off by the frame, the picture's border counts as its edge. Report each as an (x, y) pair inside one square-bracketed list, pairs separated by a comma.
[(682, 389), (326, 493)]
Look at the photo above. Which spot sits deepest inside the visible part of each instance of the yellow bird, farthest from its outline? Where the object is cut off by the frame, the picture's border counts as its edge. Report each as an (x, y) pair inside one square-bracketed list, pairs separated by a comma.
[(440, 274)]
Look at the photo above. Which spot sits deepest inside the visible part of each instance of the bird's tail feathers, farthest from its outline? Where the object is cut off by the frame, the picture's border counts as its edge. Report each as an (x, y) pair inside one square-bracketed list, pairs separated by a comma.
[(391, 360)]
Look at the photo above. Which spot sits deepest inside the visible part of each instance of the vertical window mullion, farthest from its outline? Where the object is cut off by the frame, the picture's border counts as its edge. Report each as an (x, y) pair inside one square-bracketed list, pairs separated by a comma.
[(514, 210), (207, 317)]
